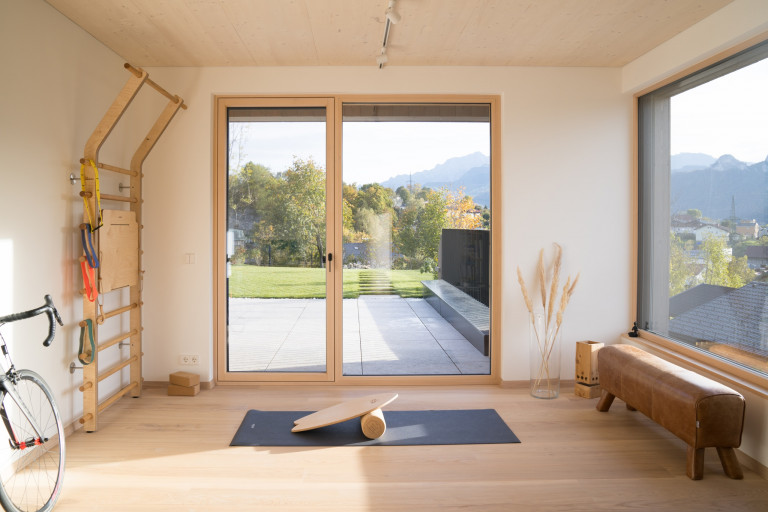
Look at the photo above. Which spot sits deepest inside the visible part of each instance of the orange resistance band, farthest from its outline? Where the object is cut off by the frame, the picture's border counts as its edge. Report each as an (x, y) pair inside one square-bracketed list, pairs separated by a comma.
[(88, 280)]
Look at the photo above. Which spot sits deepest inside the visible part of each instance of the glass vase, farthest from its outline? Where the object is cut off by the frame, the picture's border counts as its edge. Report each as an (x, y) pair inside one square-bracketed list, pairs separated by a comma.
[(544, 346)]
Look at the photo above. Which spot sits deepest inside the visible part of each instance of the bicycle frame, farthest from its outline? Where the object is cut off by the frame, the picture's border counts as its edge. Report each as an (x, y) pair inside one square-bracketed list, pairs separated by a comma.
[(18, 444)]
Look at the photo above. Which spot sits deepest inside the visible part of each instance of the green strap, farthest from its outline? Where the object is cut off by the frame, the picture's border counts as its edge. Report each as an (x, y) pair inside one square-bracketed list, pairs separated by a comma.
[(89, 326)]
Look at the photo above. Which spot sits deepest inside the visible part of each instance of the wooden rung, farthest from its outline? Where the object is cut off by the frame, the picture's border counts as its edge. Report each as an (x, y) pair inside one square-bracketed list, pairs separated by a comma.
[(87, 385), (124, 199), (117, 368), (117, 396), (117, 340), (87, 417), (156, 87), (112, 168), (116, 312)]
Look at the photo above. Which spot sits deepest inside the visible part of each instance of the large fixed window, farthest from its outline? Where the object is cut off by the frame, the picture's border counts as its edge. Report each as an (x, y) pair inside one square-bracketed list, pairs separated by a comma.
[(703, 211)]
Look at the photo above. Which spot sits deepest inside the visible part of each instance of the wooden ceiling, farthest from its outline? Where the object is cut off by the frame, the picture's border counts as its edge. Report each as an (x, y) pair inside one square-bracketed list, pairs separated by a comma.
[(603, 33)]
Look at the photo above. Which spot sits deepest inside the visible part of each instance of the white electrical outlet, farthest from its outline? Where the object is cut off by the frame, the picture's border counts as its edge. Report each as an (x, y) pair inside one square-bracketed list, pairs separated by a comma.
[(189, 359)]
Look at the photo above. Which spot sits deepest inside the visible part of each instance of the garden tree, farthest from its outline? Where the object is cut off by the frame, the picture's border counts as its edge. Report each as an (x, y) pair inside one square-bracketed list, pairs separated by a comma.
[(249, 194), (348, 223), (300, 213), (740, 273), (460, 210), (717, 260), (680, 266), (404, 194), (374, 196), (238, 132), (349, 193), (722, 269), (431, 221), (405, 233), (371, 200)]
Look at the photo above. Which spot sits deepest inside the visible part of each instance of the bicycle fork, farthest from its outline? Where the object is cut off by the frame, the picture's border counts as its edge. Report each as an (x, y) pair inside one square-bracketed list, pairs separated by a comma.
[(8, 389)]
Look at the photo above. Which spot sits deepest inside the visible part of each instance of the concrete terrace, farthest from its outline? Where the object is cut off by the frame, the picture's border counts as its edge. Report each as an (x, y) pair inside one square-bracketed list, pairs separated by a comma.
[(382, 335)]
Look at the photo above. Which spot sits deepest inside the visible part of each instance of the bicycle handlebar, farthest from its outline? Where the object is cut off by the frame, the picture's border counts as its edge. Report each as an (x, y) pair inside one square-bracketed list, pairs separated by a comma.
[(49, 309)]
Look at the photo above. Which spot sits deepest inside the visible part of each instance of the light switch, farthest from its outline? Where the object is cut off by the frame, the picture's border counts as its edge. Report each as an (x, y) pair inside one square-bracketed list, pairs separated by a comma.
[(189, 258)]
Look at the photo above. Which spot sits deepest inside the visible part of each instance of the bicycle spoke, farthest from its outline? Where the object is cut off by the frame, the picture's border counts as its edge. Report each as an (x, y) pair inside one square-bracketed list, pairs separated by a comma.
[(37, 468)]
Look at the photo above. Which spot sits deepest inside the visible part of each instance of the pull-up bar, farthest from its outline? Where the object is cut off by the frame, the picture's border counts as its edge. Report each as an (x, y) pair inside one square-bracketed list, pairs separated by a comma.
[(138, 72)]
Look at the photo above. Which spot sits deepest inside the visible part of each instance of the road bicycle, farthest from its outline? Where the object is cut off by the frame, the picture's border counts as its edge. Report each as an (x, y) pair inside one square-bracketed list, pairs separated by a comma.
[(32, 462)]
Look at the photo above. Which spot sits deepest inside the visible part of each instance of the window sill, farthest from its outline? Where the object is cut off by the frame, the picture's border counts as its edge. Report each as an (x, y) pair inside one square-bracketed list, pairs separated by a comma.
[(739, 378)]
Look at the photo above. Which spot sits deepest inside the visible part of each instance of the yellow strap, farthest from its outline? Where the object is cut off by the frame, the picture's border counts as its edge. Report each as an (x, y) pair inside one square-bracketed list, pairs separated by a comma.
[(93, 225)]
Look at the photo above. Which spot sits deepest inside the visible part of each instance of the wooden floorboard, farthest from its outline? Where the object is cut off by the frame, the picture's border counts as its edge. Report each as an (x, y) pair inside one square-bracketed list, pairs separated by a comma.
[(171, 453)]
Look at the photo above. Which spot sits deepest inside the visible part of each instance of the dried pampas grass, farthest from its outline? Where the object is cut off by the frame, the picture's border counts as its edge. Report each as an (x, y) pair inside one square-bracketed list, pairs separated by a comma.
[(547, 333)]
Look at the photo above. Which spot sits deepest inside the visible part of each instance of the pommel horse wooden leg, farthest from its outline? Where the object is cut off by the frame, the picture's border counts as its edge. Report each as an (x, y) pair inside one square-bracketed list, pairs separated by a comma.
[(373, 424), (606, 399), (730, 463)]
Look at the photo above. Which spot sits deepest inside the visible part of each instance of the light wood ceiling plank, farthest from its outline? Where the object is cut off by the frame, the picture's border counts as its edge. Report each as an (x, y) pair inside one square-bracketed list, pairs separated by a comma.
[(349, 32)]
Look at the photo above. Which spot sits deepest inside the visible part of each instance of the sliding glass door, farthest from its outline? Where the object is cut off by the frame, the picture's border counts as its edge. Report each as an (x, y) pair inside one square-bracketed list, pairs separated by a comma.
[(416, 238), (278, 281), (356, 240)]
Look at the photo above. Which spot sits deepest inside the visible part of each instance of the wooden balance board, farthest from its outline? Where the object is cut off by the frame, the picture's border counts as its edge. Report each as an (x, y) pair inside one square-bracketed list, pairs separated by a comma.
[(368, 408)]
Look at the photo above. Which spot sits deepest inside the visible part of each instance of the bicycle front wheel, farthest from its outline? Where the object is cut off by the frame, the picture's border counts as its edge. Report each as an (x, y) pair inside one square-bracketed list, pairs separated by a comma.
[(31, 480)]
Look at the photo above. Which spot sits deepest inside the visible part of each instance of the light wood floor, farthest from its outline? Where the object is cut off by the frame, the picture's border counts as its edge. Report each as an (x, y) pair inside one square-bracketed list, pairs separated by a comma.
[(171, 453)]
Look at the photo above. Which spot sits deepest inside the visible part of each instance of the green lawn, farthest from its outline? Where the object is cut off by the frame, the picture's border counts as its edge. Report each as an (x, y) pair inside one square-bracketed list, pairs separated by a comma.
[(308, 283)]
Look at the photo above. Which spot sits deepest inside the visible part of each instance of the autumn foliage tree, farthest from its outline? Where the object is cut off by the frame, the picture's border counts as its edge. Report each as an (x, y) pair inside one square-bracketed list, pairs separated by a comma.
[(283, 216)]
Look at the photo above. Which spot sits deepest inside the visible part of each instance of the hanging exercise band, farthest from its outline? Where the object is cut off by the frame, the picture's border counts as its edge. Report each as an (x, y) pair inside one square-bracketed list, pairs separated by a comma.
[(93, 261), (94, 227), (89, 283), (89, 326)]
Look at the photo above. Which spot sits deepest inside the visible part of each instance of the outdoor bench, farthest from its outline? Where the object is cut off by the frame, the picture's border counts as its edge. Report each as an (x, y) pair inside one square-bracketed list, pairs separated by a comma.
[(467, 315), (698, 410)]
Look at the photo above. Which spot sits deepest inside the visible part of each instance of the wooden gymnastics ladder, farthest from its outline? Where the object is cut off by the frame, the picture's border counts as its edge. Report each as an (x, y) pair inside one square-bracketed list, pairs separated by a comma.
[(91, 374)]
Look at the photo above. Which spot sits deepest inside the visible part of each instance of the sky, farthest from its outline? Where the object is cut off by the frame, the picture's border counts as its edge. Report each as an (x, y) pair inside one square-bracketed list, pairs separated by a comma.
[(372, 152), (711, 119)]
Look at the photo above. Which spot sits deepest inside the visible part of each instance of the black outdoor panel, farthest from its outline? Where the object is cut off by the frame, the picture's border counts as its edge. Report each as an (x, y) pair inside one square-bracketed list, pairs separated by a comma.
[(464, 261)]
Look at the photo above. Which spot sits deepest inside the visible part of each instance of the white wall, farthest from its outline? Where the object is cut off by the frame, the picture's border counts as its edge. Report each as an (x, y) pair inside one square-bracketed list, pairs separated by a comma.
[(566, 178), (57, 83)]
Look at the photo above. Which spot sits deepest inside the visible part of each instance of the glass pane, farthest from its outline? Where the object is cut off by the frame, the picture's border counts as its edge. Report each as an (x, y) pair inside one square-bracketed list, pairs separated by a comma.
[(416, 239), (276, 240), (718, 211)]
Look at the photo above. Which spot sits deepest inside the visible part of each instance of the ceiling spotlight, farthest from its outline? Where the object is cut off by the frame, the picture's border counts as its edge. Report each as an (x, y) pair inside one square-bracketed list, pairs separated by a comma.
[(392, 16), (381, 59)]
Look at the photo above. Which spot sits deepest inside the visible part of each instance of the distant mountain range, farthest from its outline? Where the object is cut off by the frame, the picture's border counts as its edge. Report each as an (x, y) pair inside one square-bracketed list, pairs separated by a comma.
[(472, 172), (698, 181), (702, 182)]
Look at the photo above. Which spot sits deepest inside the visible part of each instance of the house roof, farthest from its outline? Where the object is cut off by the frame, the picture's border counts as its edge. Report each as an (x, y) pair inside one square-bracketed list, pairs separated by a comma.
[(705, 226), (738, 318), (597, 33), (757, 252), (695, 297)]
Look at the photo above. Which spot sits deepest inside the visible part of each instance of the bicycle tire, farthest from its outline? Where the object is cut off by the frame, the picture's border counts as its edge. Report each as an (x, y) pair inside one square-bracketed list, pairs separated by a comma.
[(32, 481)]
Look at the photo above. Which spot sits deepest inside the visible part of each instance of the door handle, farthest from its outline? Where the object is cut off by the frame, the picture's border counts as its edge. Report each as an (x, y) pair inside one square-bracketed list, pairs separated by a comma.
[(330, 259)]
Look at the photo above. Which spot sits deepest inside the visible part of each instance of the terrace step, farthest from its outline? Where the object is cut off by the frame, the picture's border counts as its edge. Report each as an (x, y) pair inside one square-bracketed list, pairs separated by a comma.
[(375, 282)]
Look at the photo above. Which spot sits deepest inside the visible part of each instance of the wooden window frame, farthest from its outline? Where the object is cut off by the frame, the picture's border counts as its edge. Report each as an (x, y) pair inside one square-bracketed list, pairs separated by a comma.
[(718, 368), (219, 238)]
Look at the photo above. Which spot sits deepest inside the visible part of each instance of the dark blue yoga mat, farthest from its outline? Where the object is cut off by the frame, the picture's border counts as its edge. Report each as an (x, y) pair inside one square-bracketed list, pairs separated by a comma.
[(471, 426)]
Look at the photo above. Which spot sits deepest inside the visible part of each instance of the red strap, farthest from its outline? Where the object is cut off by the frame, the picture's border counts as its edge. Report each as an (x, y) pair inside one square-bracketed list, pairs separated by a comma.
[(88, 281)]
